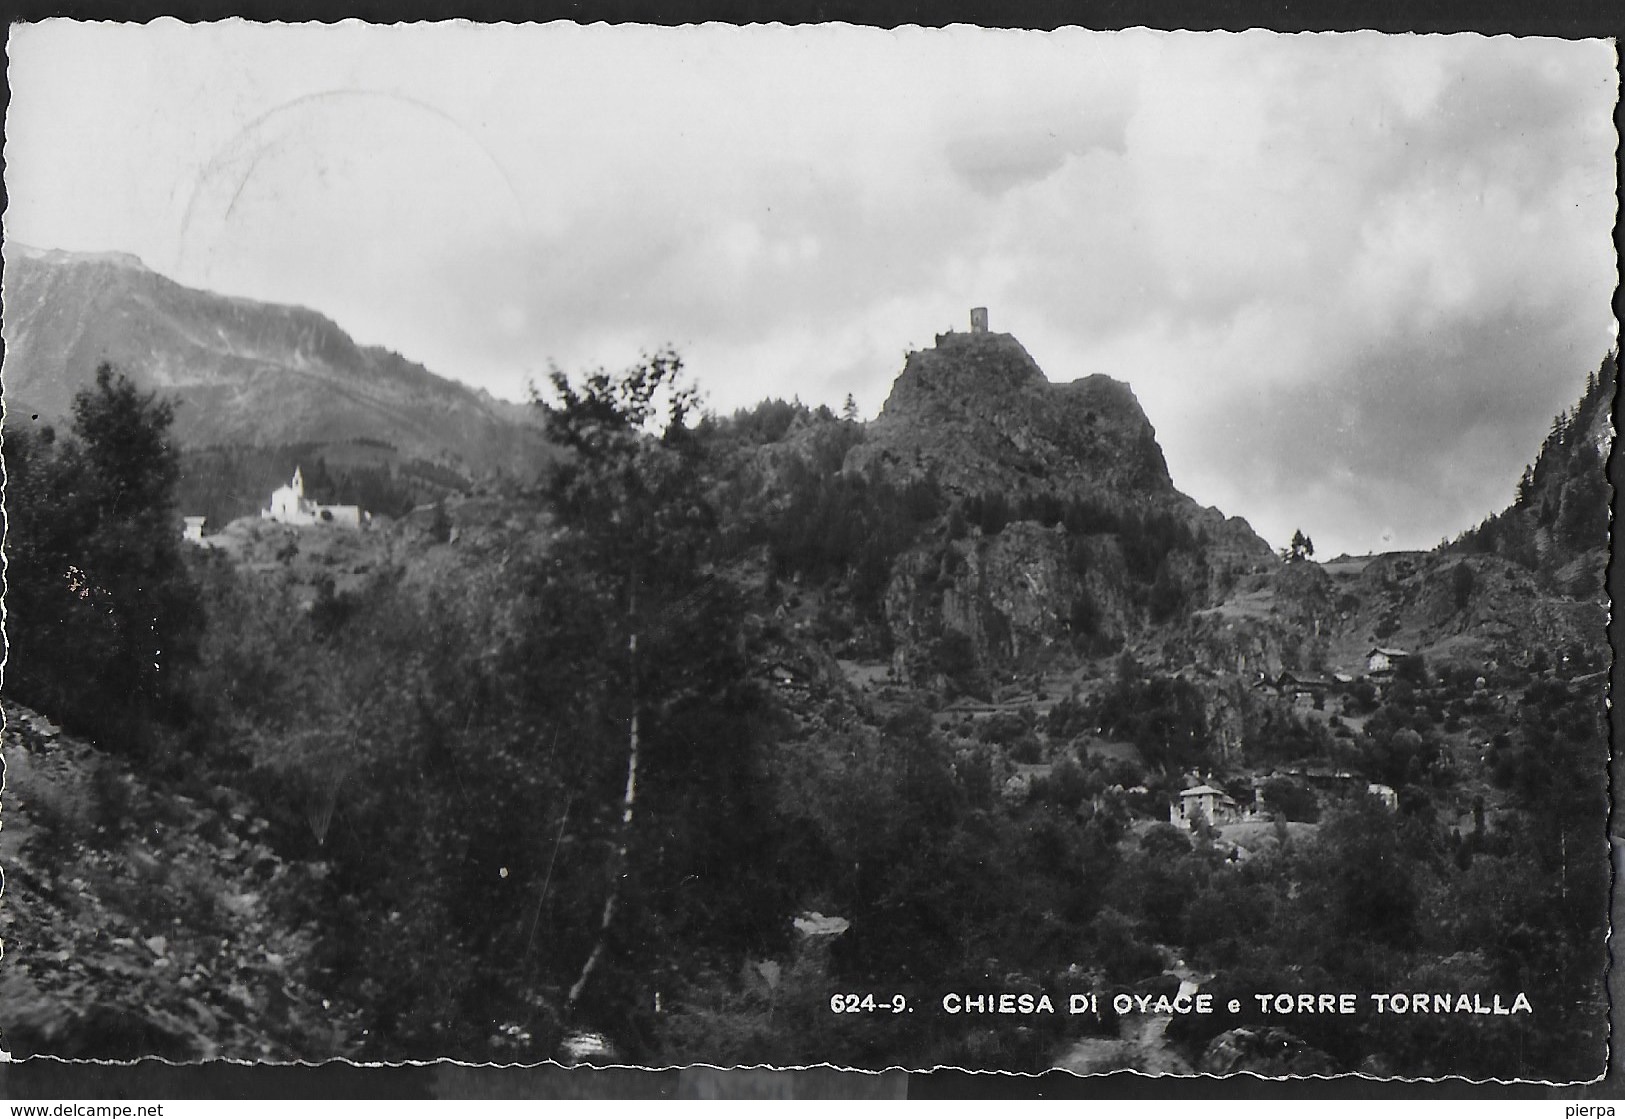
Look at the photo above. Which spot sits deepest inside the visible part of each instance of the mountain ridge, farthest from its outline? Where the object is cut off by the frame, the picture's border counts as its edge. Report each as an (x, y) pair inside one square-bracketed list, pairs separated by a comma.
[(238, 369)]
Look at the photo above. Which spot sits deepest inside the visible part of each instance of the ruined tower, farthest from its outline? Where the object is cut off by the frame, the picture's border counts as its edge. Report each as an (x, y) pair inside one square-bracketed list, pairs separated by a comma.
[(978, 320)]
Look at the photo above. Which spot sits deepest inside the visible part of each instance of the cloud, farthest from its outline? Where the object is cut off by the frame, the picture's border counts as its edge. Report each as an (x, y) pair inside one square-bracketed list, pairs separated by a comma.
[(999, 155), (1317, 278), (1350, 277)]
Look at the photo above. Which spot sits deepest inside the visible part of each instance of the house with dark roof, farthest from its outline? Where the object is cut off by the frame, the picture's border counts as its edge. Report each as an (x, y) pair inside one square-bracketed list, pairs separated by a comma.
[(1380, 660), (1203, 802)]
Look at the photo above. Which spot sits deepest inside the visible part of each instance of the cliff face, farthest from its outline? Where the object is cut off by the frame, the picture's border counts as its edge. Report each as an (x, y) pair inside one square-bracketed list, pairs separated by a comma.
[(1007, 595), (1064, 530)]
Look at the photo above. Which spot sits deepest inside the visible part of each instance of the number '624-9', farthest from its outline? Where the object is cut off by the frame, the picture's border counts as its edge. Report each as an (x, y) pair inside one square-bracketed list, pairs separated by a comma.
[(867, 1004)]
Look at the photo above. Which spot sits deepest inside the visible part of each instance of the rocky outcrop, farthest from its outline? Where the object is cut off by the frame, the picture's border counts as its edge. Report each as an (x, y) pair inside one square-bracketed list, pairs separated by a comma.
[(1098, 542), (1005, 597), (1236, 556), (978, 412)]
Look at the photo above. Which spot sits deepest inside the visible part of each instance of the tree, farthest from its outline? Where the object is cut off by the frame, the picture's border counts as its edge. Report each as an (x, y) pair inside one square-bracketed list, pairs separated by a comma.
[(1461, 584), (1167, 595), (1289, 799), (440, 524), (849, 409), (639, 625), (103, 618), (1526, 487), (1301, 548), (1412, 669), (1358, 880), (614, 497), (1164, 716)]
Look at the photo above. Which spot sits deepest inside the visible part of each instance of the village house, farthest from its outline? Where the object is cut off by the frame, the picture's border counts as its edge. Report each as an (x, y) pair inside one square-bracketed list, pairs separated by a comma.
[(1203, 802), (193, 532), (1290, 681), (1305, 689), (1384, 793), (290, 506), (1379, 660)]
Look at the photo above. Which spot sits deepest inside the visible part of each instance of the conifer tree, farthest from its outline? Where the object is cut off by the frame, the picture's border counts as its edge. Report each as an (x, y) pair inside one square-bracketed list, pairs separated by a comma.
[(102, 617), (1301, 548)]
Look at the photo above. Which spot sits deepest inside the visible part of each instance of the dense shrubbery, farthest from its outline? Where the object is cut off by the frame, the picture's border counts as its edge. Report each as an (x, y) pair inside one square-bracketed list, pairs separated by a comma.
[(493, 876), (102, 620), (1283, 737), (1291, 799), (845, 527), (1146, 538), (1164, 716), (1379, 901), (770, 421)]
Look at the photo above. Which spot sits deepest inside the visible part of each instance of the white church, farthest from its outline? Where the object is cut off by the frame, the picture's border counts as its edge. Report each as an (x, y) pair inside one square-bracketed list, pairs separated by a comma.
[(290, 506)]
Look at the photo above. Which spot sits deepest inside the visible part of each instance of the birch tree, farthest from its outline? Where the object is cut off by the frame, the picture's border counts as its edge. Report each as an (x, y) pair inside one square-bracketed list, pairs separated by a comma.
[(629, 503)]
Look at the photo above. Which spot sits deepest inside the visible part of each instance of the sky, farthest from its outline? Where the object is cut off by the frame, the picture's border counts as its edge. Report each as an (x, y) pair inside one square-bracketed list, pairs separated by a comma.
[(1350, 277)]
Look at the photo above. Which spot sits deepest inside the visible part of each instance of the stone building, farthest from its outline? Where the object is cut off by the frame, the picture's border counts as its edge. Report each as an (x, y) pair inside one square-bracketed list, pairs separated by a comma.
[(290, 506), (1203, 802)]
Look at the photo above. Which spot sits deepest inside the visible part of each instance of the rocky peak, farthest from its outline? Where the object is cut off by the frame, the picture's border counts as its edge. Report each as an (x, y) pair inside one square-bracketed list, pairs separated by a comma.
[(960, 364), (978, 411)]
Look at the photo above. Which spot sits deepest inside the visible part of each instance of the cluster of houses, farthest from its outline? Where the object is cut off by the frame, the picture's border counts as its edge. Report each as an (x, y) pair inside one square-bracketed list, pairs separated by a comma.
[(1310, 689), (1203, 801), (1206, 802)]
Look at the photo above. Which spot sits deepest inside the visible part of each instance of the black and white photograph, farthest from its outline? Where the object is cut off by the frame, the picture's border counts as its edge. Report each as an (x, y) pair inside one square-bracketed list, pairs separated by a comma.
[(823, 546)]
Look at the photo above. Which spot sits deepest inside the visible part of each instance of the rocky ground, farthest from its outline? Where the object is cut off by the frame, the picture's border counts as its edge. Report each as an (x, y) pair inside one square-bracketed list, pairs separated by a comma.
[(142, 920)]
